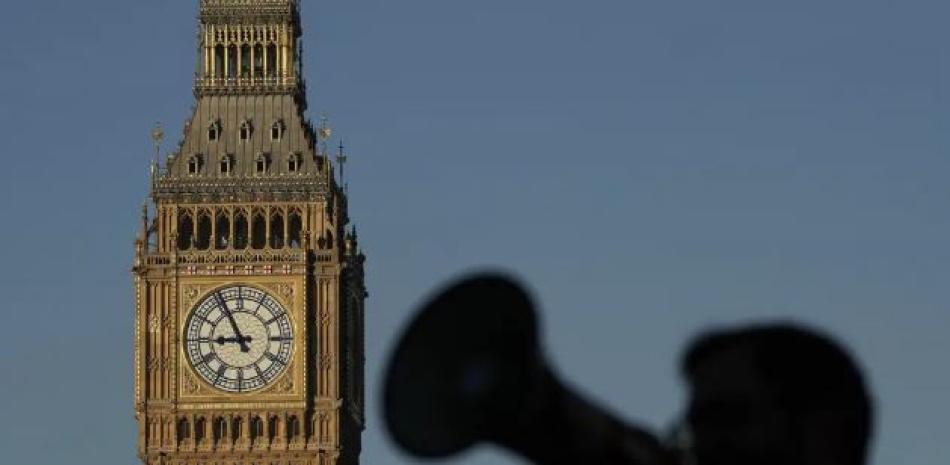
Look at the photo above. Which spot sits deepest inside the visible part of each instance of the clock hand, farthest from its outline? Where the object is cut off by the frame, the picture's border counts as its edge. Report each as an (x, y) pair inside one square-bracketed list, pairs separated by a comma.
[(221, 339), (234, 326)]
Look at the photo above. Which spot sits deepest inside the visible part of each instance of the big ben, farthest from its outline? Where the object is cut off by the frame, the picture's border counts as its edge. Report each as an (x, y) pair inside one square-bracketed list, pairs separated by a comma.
[(248, 279)]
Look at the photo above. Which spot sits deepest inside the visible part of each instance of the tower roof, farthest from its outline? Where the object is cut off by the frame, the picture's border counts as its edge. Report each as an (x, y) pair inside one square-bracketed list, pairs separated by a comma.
[(236, 10)]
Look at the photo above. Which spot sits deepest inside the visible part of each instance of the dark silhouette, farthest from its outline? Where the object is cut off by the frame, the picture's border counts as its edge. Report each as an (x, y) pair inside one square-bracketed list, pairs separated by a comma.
[(469, 369), (775, 394)]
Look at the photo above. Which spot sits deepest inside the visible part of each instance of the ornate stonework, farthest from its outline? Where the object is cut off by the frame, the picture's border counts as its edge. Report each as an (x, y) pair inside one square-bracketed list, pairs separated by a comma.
[(248, 220)]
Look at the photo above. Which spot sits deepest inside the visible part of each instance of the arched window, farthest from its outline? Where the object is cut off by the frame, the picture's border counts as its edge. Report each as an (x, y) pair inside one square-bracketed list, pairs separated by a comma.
[(258, 61), (199, 430), (232, 61), (246, 129), (271, 60), (240, 231), (271, 429), (277, 230), (277, 130), (214, 131), (203, 239), (293, 163), (293, 428), (194, 164), (245, 61), (219, 429), (227, 164), (183, 429), (236, 427), (186, 231), (295, 227), (222, 230), (257, 428), (261, 163), (219, 61), (258, 231)]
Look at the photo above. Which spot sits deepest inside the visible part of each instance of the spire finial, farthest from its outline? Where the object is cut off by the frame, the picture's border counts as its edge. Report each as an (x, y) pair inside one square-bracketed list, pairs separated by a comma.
[(323, 134), (158, 134), (341, 159), (143, 233)]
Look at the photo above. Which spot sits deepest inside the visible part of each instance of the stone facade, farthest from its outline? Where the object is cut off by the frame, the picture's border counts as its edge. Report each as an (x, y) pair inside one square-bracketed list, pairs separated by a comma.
[(249, 199)]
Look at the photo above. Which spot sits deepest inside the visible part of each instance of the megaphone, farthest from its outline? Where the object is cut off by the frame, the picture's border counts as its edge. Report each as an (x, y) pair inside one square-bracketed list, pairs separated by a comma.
[(469, 369)]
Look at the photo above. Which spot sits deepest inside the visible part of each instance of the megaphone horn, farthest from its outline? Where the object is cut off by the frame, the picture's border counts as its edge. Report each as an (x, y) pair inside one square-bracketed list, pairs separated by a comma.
[(469, 369)]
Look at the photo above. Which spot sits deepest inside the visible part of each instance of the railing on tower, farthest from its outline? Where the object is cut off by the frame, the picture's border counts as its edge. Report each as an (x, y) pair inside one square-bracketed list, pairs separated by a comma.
[(278, 83)]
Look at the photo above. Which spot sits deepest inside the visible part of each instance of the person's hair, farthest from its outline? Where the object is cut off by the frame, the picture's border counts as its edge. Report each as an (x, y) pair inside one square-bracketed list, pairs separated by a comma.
[(807, 373)]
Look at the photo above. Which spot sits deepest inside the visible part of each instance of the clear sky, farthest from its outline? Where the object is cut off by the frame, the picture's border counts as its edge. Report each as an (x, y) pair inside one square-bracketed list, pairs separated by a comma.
[(650, 167)]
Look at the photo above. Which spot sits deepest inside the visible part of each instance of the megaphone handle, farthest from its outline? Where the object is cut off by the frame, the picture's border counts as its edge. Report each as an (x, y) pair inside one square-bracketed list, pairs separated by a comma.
[(564, 429)]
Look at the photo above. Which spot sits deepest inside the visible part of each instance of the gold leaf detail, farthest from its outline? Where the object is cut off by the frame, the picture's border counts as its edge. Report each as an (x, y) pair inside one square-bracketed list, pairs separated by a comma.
[(286, 384), (285, 290), (191, 293), (154, 323), (191, 386)]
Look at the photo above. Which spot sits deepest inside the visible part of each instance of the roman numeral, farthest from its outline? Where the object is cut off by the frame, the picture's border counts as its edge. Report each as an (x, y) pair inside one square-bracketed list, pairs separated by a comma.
[(260, 303), (281, 338), (274, 358), (220, 373)]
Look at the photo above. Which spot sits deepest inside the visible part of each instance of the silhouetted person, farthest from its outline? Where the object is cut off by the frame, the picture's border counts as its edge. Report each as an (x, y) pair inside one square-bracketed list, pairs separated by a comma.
[(775, 395), (470, 369)]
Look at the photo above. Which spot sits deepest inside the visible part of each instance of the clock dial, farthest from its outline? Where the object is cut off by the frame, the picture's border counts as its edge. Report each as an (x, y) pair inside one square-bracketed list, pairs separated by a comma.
[(239, 339)]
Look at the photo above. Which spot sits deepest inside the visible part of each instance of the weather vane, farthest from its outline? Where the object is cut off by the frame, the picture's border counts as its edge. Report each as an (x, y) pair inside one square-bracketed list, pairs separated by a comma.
[(324, 133)]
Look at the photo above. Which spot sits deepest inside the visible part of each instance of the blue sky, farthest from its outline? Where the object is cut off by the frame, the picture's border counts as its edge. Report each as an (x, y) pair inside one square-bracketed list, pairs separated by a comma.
[(651, 168)]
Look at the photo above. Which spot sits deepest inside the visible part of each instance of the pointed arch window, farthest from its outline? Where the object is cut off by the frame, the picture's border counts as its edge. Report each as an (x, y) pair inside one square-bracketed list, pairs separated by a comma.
[(199, 430), (271, 428), (277, 230), (293, 163), (293, 428), (214, 131), (232, 61), (186, 231), (295, 227), (194, 164), (258, 231), (222, 231), (219, 429), (257, 429), (236, 427), (271, 60), (246, 130), (277, 130), (245, 61), (183, 429), (261, 163), (219, 61), (227, 164), (203, 239), (258, 61), (240, 231)]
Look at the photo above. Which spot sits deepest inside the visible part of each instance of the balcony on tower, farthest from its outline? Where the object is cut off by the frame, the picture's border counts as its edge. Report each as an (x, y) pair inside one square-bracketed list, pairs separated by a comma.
[(249, 46)]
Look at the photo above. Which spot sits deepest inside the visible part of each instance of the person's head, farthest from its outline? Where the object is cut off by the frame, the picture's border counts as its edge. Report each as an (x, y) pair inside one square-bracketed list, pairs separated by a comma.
[(775, 394)]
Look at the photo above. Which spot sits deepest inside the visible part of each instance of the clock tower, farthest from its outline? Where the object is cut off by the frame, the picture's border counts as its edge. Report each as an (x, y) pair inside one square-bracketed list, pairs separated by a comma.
[(248, 280)]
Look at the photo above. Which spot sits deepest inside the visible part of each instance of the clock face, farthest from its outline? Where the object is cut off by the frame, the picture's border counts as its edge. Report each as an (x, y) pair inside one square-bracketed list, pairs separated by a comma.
[(239, 339)]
